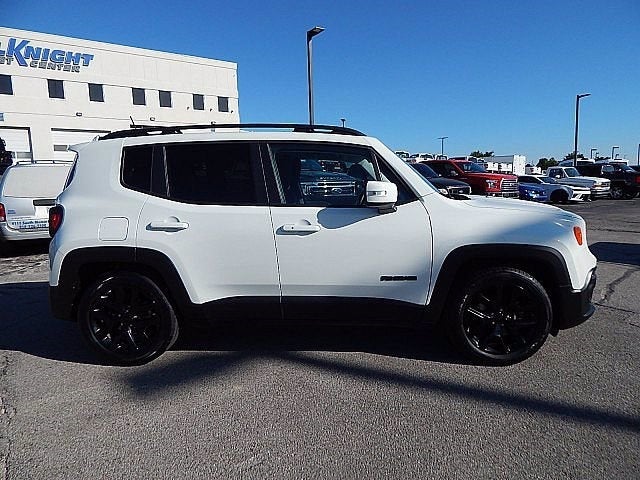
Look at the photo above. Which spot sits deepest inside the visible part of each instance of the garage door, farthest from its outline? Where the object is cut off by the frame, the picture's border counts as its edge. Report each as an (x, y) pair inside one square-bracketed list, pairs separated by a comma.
[(18, 141), (62, 139)]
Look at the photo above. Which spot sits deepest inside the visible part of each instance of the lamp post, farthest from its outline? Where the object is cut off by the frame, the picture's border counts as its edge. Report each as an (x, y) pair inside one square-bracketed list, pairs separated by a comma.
[(613, 149), (343, 120), (442, 144), (575, 141), (593, 150), (310, 34)]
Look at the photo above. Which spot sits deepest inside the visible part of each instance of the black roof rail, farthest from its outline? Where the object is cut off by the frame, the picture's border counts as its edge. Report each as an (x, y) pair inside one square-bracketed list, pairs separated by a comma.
[(143, 130)]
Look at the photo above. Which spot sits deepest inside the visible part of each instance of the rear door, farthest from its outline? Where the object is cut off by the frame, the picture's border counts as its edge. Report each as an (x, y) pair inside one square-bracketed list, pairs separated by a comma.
[(212, 220), (338, 257)]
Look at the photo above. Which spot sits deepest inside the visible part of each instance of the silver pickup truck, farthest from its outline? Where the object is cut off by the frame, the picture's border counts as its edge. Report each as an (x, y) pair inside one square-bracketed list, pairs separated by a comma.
[(600, 187)]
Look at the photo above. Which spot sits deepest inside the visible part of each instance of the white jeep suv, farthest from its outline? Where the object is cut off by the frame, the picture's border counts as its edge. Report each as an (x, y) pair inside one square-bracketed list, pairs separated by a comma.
[(159, 226)]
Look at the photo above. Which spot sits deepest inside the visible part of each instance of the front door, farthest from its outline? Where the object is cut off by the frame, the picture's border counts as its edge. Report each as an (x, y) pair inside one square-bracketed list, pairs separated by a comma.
[(336, 256)]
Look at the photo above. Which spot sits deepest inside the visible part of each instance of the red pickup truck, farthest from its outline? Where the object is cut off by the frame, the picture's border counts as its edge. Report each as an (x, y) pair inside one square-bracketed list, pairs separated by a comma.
[(481, 181)]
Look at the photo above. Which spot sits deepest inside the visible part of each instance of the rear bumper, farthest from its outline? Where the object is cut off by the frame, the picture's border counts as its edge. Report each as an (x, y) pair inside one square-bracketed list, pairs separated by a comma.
[(10, 234), (574, 306)]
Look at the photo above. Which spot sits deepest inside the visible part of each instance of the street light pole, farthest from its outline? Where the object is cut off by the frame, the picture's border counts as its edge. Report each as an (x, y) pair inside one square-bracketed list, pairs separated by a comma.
[(310, 34), (613, 148), (343, 120), (442, 144), (575, 141)]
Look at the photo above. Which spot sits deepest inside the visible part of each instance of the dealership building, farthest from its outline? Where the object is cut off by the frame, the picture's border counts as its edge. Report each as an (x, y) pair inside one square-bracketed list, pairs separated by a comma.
[(58, 91)]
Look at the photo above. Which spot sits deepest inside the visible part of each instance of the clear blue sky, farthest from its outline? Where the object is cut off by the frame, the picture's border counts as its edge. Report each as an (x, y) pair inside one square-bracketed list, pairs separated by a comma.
[(490, 75)]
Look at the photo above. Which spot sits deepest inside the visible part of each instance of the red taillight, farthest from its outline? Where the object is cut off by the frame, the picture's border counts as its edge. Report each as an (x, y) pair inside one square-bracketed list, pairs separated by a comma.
[(637, 178), (55, 219), (577, 232), (3, 215)]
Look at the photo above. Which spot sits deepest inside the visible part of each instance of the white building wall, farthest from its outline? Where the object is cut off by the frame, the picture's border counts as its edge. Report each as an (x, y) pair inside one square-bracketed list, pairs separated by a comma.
[(506, 163), (118, 68)]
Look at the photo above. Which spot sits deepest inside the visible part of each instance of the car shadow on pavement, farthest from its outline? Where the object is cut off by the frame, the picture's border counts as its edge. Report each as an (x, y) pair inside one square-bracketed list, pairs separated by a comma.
[(613, 252), (23, 248), (27, 325)]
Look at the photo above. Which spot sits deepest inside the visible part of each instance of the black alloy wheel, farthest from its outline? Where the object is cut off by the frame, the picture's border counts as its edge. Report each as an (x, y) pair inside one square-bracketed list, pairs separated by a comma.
[(127, 318), (559, 196), (502, 316), (617, 192)]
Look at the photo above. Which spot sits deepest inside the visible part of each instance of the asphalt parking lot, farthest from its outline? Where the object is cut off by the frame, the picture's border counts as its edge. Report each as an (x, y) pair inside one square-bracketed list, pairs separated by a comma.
[(326, 402)]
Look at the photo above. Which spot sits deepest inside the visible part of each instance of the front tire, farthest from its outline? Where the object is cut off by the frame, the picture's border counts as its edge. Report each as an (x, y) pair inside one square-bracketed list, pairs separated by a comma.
[(500, 317), (127, 319), (559, 196)]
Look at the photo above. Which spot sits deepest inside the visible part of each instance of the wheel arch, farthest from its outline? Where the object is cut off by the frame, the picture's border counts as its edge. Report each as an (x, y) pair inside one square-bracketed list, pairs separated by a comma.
[(81, 267), (544, 263)]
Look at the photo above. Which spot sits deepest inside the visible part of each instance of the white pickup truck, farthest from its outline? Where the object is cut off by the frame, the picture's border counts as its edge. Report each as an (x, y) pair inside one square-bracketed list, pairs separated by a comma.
[(599, 187)]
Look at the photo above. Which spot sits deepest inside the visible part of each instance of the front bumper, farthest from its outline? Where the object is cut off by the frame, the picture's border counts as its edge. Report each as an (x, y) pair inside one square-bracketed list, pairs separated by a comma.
[(581, 196), (573, 307), (599, 192), (505, 194), (533, 196)]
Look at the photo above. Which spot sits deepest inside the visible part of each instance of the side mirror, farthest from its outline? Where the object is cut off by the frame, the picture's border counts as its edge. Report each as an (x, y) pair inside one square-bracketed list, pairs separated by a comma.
[(558, 176), (382, 195)]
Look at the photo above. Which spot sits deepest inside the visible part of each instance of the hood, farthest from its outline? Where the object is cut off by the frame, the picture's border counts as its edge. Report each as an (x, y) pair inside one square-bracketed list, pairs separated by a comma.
[(583, 179), (511, 204), (492, 176), (593, 179)]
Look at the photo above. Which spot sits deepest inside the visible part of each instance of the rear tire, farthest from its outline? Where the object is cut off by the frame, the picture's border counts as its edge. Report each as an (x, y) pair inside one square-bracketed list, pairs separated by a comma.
[(127, 319), (617, 192), (500, 316)]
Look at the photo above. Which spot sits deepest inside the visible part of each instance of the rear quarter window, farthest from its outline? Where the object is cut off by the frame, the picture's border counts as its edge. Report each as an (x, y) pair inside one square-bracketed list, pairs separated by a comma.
[(136, 168)]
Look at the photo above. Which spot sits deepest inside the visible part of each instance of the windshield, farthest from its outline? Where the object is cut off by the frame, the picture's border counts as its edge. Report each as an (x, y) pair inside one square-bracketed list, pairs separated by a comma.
[(471, 167), (627, 168), (572, 172), (548, 180), (424, 170), (311, 165)]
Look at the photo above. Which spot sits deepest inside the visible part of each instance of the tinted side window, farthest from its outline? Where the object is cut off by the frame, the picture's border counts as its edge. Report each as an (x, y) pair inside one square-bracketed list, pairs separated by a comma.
[(136, 168), (212, 173), (388, 175), (439, 168), (322, 175)]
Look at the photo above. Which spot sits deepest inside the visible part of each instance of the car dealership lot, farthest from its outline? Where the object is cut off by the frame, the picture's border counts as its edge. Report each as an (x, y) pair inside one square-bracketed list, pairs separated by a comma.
[(326, 401)]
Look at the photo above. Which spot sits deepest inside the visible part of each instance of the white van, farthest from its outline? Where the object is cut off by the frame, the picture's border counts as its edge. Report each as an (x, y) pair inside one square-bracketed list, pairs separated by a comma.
[(27, 191)]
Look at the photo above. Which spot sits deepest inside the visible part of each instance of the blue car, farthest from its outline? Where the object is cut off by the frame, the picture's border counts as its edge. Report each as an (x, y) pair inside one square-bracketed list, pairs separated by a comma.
[(543, 189)]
